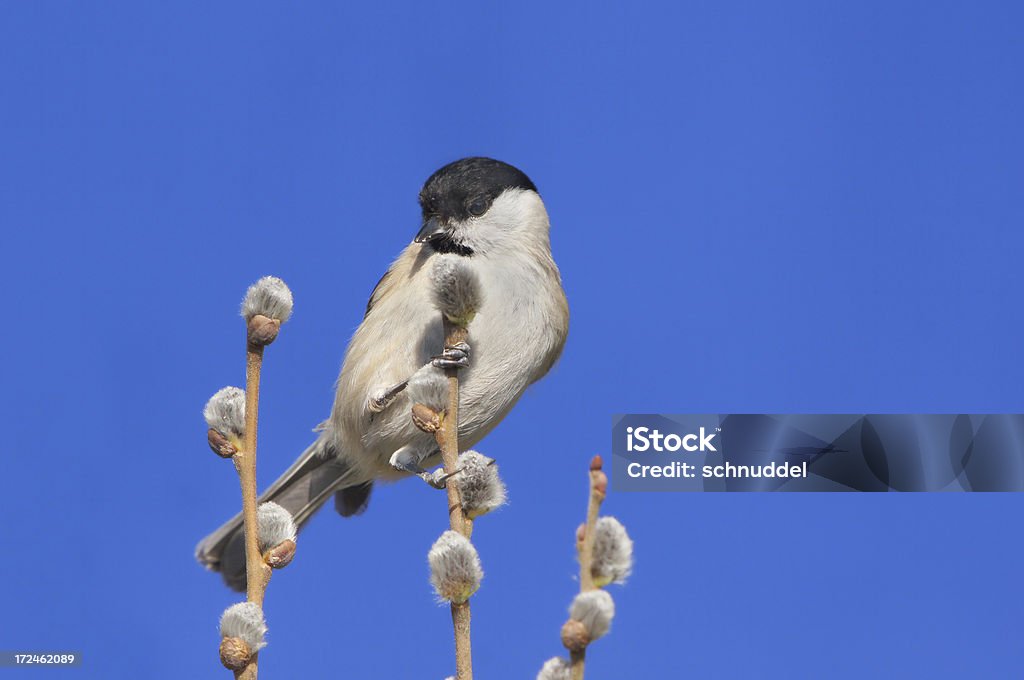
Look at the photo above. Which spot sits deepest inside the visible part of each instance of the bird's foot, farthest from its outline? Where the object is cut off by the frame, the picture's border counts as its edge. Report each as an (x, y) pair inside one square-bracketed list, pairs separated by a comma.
[(454, 356), (437, 479), (384, 398)]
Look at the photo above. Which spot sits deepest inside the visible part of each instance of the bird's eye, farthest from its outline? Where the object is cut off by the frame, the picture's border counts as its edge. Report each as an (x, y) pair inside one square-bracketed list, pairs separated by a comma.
[(477, 207)]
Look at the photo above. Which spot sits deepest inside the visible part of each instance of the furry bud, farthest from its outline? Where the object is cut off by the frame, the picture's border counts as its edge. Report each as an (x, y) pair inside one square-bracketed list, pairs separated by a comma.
[(479, 485), (455, 570), (613, 552), (268, 297), (555, 669), (426, 418), (594, 609), (575, 636), (428, 386), (225, 413), (245, 622), (234, 653), (275, 526), (456, 290)]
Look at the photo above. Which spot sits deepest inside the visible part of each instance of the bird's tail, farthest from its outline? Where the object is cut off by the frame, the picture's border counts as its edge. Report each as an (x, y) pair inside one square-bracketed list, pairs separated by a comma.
[(302, 490)]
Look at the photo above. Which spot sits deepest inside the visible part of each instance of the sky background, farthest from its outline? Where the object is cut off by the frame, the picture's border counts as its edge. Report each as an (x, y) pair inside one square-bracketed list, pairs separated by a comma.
[(802, 207)]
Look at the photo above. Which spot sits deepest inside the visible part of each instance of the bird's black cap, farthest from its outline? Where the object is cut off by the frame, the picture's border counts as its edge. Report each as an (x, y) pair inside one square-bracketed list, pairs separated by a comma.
[(467, 187)]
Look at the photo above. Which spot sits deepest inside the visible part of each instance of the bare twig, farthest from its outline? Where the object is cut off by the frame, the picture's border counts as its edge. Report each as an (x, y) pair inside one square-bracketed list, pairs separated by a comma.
[(267, 304), (448, 434), (448, 440), (456, 290), (585, 549), (257, 572)]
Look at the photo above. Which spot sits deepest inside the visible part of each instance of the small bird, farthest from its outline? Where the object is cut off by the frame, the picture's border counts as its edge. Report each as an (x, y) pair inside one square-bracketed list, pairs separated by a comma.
[(487, 216)]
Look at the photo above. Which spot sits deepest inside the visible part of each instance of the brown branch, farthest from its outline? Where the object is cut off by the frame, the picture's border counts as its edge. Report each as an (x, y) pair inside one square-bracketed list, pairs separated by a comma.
[(448, 434), (448, 439), (267, 304), (463, 653), (585, 549), (257, 572)]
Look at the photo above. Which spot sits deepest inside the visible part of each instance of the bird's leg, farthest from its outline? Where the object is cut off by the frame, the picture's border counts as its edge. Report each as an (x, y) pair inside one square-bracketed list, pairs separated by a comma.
[(453, 356), (384, 398), (407, 459)]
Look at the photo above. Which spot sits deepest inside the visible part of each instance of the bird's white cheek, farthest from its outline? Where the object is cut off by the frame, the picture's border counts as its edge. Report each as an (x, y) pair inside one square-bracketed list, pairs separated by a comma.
[(516, 219)]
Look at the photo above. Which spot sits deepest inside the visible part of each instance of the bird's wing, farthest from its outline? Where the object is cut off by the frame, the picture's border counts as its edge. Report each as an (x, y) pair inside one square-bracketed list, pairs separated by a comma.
[(378, 291), (558, 327), (402, 268)]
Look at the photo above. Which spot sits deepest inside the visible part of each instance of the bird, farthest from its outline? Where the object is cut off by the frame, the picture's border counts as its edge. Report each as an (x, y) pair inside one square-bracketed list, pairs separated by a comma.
[(488, 217)]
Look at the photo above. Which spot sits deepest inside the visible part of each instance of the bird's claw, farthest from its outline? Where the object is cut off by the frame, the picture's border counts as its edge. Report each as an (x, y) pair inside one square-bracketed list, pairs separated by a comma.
[(439, 478), (378, 403), (384, 398), (454, 356)]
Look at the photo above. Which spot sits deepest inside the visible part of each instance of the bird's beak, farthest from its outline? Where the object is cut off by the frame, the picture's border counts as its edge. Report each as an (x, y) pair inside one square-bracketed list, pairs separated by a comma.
[(431, 230)]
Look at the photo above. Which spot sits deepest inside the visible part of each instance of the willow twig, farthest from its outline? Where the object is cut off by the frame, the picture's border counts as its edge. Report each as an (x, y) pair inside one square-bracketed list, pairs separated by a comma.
[(448, 440), (257, 572), (585, 549), (448, 434), (261, 331), (267, 304)]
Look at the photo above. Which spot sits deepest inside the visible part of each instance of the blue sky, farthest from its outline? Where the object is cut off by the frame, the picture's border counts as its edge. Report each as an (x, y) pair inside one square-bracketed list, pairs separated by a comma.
[(801, 207)]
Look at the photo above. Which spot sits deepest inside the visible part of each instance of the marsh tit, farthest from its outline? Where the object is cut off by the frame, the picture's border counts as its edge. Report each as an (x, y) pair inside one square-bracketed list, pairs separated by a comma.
[(489, 216)]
